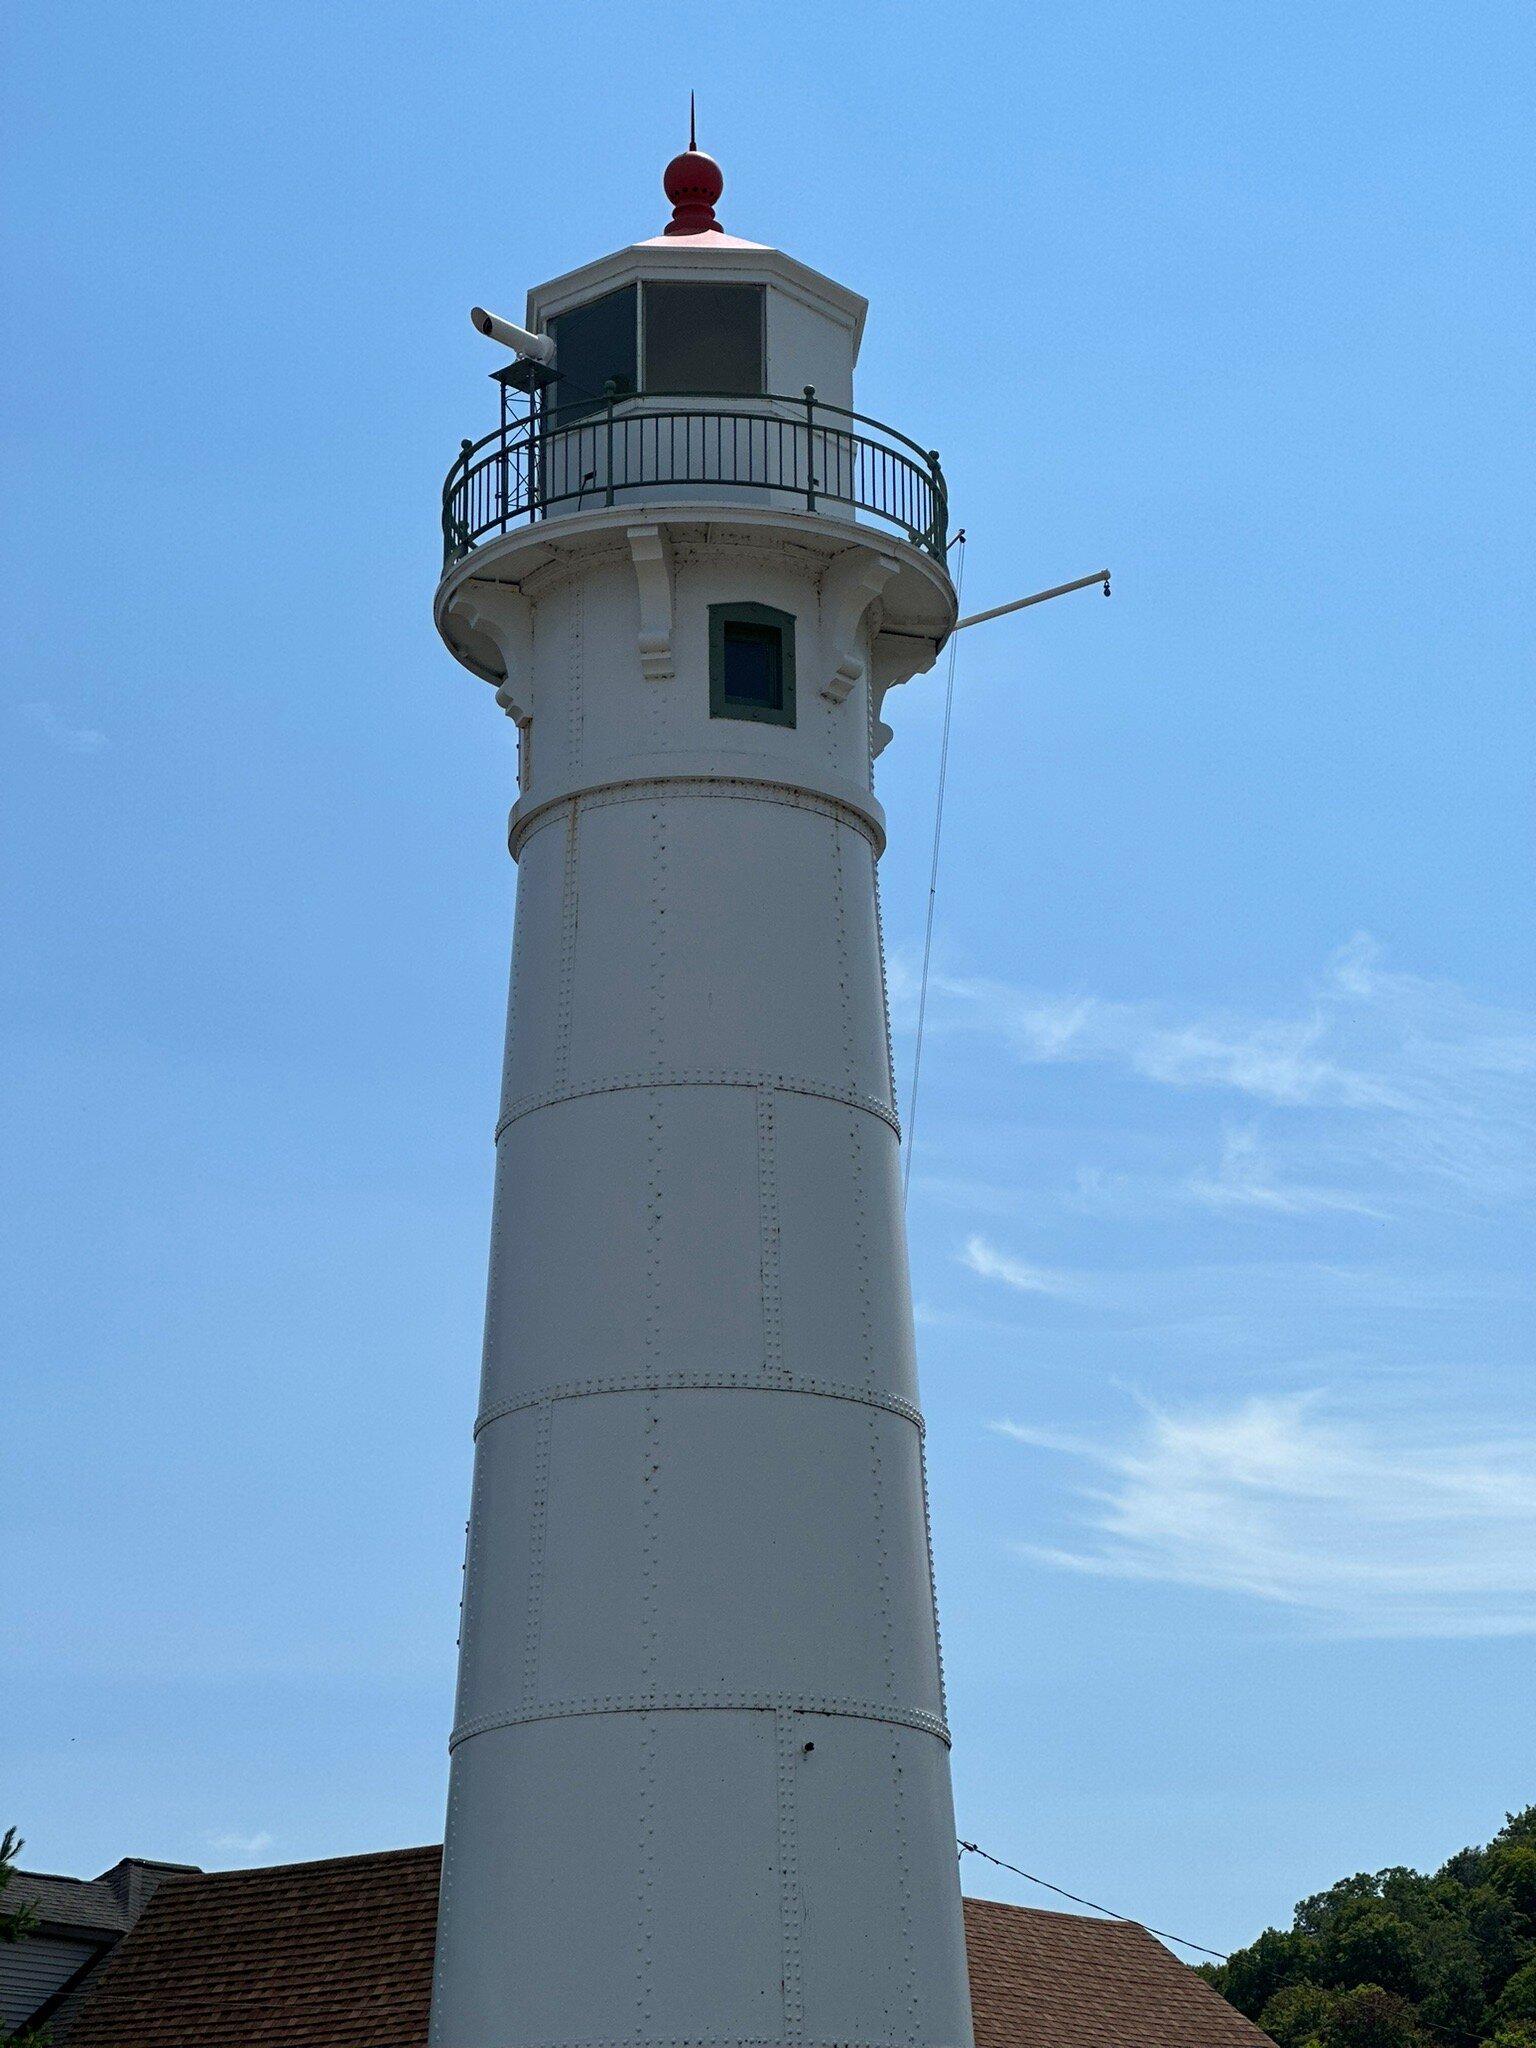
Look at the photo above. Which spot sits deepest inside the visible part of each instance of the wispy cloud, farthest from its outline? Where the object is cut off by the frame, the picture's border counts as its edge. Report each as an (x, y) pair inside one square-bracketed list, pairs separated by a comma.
[(74, 739), (985, 1259), (1413, 1091), (1246, 1179), (1367, 1530), (245, 1847)]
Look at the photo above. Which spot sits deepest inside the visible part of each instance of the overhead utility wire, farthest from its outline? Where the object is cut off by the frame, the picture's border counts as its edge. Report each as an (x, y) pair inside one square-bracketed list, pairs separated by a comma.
[(933, 881), (970, 1848)]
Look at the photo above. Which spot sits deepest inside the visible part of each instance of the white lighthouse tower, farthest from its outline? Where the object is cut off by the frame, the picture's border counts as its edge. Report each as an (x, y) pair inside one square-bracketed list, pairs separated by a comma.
[(700, 1771)]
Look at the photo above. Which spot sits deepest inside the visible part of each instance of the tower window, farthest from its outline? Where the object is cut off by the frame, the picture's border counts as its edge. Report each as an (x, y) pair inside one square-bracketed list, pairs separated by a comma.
[(704, 338), (752, 663), (594, 346)]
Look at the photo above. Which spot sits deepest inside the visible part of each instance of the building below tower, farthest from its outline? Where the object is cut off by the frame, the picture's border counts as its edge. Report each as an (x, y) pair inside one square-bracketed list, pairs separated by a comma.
[(339, 1955)]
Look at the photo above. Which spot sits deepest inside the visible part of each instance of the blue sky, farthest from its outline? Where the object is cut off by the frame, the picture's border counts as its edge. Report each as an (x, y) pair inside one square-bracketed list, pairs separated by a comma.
[(1223, 1173)]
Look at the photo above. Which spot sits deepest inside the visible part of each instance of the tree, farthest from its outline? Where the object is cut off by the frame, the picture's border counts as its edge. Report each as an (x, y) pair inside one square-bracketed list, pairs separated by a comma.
[(1389, 1958), (1298, 2016), (1516, 2005), (1369, 2017), (1251, 1977), (1367, 1943), (16, 1923), (1512, 1874)]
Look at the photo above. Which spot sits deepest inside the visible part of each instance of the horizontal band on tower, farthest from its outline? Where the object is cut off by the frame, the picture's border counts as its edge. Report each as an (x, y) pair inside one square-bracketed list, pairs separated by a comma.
[(689, 1382), (690, 776), (701, 1077), (703, 1703), (723, 2041)]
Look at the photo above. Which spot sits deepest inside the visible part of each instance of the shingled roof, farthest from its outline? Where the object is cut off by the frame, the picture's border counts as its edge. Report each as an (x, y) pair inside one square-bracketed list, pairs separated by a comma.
[(1060, 1980), (301, 1955), (78, 1922), (339, 1955)]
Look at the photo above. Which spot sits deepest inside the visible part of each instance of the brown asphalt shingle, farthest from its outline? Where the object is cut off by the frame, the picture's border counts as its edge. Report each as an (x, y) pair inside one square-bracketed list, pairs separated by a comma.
[(303, 1955), (339, 1955), (1060, 1980)]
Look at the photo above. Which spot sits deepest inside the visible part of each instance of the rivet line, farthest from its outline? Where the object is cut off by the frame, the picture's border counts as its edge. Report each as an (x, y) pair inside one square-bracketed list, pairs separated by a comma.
[(538, 1522), (569, 888), (714, 2041), (692, 789), (701, 1381), (695, 1077), (791, 1965), (647, 1703), (769, 1236), (650, 1472), (885, 988)]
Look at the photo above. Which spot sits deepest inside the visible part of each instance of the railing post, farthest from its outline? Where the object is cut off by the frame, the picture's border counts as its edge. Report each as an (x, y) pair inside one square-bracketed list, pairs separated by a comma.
[(456, 526), (884, 477), (534, 416), (940, 491)]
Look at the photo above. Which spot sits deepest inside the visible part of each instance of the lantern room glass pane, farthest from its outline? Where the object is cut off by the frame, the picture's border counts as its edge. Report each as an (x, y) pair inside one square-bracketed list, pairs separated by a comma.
[(594, 344), (704, 338)]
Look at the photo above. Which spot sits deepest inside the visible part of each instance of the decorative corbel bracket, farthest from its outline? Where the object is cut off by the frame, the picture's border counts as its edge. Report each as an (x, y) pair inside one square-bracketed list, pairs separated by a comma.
[(898, 657), (652, 557), (502, 613), (848, 589)]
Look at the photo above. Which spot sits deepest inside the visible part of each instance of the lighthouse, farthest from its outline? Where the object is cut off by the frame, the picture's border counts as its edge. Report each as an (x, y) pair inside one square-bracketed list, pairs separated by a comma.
[(700, 1787)]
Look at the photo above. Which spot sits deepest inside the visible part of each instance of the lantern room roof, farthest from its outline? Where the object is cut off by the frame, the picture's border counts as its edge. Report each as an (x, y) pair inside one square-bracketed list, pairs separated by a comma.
[(720, 258)]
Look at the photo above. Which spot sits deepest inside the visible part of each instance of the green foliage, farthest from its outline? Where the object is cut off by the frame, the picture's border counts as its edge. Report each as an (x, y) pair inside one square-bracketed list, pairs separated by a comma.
[(1516, 2006), (1253, 1976), (1368, 2017), (19, 1921), (16, 1923), (1512, 1874), (1368, 1943), (1298, 2015), (1399, 1959)]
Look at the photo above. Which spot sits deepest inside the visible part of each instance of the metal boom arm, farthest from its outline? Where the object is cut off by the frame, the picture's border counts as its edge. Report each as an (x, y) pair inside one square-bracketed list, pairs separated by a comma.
[(1021, 603)]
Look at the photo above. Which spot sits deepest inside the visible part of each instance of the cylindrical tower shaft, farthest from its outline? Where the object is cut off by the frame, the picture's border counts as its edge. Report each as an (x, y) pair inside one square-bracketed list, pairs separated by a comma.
[(700, 1783)]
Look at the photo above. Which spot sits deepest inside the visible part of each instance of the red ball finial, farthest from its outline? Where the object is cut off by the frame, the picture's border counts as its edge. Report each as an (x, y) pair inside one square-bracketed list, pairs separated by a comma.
[(693, 182)]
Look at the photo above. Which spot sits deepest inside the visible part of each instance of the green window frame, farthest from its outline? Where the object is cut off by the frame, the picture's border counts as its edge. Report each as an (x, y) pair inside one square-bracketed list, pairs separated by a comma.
[(758, 630)]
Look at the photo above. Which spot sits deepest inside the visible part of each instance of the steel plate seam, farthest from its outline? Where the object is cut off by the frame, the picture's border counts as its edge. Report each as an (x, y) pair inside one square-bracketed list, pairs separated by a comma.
[(649, 1703), (769, 1237), (575, 708), (697, 789), (569, 891), (933, 1583), (514, 990), (701, 1381), (445, 1899), (784, 1736), (711, 2041), (538, 1522), (885, 994), (695, 1077), (650, 1537)]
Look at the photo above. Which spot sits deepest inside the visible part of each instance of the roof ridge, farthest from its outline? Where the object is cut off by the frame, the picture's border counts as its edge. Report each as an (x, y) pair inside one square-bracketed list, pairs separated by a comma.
[(324, 1862), (1058, 1913), (320, 1953)]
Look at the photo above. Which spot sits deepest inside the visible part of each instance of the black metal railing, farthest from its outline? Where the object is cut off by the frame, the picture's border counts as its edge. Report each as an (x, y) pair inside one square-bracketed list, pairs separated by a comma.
[(579, 458)]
